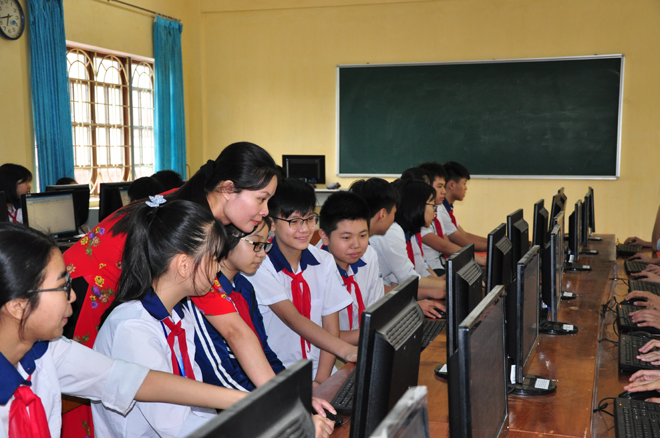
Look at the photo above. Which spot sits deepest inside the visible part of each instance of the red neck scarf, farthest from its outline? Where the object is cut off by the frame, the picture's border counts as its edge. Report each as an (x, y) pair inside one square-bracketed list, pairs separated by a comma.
[(438, 227), (12, 216), (409, 249), (453, 219), (350, 281), (302, 301), (177, 332), (23, 424), (244, 311)]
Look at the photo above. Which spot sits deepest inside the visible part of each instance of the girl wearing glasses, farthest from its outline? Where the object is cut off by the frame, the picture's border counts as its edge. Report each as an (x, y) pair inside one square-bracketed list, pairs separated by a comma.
[(37, 365)]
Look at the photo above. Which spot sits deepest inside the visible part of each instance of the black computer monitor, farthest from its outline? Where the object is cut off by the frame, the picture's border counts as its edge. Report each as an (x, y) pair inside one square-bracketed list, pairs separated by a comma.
[(478, 388), (283, 406), (592, 212), (540, 224), (110, 198), (585, 219), (517, 229), (555, 209), (562, 198), (80, 199), (51, 213), (522, 326), (388, 356), (559, 219), (551, 292), (500, 259), (575, 239), (310, 168), (408, 418), (4, 214)]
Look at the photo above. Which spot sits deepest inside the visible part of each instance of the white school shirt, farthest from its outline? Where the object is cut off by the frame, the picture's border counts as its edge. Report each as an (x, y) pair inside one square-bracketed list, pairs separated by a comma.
[(272, 286), (66, 367), (131, 333), (448, 226), (432, 256), (393, 259)]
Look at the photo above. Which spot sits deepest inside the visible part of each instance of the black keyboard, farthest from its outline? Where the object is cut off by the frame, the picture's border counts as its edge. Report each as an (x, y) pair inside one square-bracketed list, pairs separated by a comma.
[(635, 267), (343, 400), (647, 286), (625, 321), (629, 346), (431, 328), (636, 419), (626, 249)]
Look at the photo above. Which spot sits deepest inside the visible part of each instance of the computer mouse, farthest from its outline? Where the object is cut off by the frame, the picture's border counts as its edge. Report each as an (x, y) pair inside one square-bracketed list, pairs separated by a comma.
[(442, 313), (334, 417), (642, 334), (632, 300), (641, 395)]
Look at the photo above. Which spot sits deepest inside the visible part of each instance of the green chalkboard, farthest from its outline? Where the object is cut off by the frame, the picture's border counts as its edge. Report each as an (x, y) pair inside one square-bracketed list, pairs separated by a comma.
[(537, 118)]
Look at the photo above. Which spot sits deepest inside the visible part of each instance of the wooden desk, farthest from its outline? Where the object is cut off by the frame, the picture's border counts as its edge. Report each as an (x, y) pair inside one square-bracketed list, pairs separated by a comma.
[(572, 361)]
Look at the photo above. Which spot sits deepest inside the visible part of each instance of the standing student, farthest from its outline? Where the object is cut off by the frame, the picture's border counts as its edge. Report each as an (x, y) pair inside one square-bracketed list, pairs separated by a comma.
[(37, 364), (14, 181), (456, 188), (298, 287), (345, 234)]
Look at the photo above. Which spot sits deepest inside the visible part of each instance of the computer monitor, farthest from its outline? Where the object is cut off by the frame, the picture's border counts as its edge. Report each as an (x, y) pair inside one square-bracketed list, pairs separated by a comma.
[(551, 292), (559, 219), (283, 406), (522, 326), (540, 224), (52, 213), (517, 229), (80, 199), (562, 198), (575, 239), (555, 209), (408, 418), (310, 168), (4, 214), (388, 356), (478, 388), (585, 216), (592, 212), (111, 199), (500, 258)]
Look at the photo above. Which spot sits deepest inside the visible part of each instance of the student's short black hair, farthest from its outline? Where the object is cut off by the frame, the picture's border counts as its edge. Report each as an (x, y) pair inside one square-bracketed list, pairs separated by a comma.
[(377, 192), (456, 171), (66, 180), (144, 187), (169, 179), (343, 206), (435, 169), (412, 205), (292, 195), (416, 174)]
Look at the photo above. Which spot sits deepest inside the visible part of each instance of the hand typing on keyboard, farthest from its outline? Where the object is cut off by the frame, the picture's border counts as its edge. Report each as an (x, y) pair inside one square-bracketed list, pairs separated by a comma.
[(646, 318), (655, 269), (649, 352), (647, 276), (639, 257), (645, 380), (643, 299)]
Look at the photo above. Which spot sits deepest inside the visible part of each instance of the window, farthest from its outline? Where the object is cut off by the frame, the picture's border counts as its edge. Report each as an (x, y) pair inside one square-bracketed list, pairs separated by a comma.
[(100, 90)]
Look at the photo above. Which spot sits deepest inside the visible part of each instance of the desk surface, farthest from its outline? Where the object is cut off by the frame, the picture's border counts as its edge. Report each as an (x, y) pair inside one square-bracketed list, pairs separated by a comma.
[(574, 362)]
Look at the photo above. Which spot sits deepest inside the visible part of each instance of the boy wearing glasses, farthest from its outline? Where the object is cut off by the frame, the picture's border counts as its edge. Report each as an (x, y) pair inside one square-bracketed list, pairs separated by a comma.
[(299, 290)]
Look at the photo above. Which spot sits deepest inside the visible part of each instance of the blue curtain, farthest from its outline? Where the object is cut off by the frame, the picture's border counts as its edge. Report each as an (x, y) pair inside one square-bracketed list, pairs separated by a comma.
[(50, 91), (169, 118)]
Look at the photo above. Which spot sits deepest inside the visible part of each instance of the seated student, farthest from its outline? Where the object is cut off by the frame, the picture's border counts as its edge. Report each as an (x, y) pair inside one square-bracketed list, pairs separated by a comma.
[(299, 290), (169, 179), (456, 187), (37, 364), (345, 234), (144, 187), (435, 242), (65, 181), (14, 181)]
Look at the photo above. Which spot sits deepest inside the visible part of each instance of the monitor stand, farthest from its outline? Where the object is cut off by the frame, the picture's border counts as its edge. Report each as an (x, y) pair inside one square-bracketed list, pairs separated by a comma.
[(589, 251), (576, 267), (595, 239), (441, 371), (566, 295), (557, 328), (533, 385)]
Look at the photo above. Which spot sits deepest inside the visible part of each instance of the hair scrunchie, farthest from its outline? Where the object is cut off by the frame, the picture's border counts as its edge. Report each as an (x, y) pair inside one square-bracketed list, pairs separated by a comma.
[(208, 169)]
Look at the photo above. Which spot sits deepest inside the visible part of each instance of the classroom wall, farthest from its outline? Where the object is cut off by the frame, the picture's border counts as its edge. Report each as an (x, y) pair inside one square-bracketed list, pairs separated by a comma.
[(269, 76)]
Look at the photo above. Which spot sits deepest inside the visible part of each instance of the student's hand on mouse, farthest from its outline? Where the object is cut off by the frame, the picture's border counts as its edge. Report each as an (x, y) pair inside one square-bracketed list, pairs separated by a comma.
[(318, 404), (637, 241), (646, 318), (639, 257), (644, 375), (645, 381), (323, 427), (638, 297), (430, 308)]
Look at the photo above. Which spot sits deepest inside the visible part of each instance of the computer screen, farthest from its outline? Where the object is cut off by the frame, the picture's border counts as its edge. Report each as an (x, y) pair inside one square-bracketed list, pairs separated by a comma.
[(562, 198), (584, 215), (552, 273), (310, 168), (125, 199), (4, 215), (80, 199), (559, 219), (592, 212), (388, 356), (281, 407), (575, 232), (556, 208), (409, 417), (52, 213), (111, 198), (499, 259), (540, 224), (478, 393), (517, 229)]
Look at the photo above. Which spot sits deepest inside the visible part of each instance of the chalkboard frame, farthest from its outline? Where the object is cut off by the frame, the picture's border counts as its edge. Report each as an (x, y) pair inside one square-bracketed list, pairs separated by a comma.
[(615, 176)]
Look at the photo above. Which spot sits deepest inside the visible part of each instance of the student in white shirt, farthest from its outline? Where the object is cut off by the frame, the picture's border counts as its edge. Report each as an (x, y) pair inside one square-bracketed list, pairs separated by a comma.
[(299, 289), (37, 365), (345, 234), (15, 180)]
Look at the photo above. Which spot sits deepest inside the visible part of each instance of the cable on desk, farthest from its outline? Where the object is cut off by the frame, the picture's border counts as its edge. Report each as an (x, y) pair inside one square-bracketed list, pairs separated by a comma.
[(614, 328), (603, 404), (607, 340)]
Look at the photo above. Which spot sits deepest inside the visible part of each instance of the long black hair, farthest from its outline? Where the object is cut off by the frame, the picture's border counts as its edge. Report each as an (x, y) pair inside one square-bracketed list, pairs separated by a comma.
[(412, 205), (11, 175), (156, 235), (24, 255)]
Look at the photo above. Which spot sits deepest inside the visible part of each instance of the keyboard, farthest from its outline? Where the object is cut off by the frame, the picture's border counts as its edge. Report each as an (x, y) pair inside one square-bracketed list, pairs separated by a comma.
[(431, 328), (343, 400), (626, 249), (629, 346), (635, 267), (636, 419), (647, 286), (625, 322)]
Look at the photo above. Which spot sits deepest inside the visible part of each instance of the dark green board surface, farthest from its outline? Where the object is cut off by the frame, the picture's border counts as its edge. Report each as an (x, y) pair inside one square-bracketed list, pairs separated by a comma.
[(538, 118)]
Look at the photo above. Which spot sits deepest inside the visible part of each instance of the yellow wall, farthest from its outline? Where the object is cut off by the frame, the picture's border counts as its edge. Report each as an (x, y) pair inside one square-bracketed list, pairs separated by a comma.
[(269, 76)]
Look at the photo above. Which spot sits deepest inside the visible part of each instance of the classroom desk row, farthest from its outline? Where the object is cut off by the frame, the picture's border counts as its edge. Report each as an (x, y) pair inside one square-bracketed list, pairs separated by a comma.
[(584, 370)]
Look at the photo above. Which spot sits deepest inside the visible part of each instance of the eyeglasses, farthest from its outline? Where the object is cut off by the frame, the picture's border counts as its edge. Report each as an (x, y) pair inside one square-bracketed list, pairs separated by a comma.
[(66, 288), (296, 224), (435, 207), (258, 246)]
